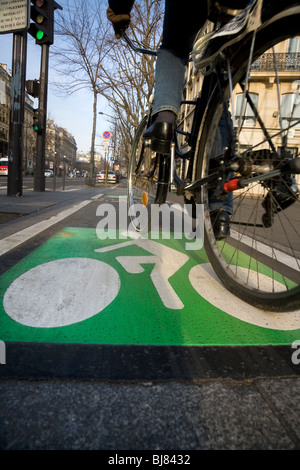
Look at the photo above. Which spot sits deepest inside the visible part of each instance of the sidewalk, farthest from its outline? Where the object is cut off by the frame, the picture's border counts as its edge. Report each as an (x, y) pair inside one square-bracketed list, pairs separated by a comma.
[(17, 213), (30, 202)]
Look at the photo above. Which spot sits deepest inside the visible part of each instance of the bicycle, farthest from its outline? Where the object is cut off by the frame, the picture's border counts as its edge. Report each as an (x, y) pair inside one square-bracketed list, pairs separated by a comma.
[(257, 171)]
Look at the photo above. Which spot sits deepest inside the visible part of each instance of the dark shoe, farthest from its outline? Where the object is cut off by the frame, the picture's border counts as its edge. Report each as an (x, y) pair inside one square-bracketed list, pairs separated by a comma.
[(160, 134), (220, 222), (209, 46), (278, 200)]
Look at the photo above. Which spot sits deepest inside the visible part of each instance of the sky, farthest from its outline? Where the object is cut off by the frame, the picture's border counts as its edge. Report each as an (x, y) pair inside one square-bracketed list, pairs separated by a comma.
[(71, 112)]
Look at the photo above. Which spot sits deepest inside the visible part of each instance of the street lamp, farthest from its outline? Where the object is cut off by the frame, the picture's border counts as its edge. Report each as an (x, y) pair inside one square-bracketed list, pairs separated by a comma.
[(104, 114)]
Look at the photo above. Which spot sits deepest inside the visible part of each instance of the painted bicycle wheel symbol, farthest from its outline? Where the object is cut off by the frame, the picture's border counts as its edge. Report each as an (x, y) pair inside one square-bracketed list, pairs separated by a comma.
[(67, 291)]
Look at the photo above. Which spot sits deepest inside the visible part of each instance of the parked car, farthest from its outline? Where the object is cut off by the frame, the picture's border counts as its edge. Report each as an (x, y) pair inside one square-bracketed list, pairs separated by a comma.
[(48, 173), (111, 177)]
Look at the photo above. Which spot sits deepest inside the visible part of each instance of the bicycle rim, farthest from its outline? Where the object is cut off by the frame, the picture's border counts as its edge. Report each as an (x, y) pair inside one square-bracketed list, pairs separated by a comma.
[(147, 182), (260, 260)]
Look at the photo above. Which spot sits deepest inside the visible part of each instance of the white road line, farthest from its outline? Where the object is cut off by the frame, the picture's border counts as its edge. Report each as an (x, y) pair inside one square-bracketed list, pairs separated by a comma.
[(12, 241), (267, 250)]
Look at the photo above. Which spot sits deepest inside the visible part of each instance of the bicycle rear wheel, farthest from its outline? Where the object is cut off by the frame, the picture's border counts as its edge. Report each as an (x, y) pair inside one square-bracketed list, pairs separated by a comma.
[(259, 261), (148, 181)]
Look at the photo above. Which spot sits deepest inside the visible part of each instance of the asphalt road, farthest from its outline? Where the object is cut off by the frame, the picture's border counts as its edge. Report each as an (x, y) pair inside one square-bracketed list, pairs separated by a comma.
[(175, 395)]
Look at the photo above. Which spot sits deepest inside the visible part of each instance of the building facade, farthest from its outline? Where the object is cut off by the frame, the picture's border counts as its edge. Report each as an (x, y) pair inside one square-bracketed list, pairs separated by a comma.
[(61, 149), (4, 109), (61, 146)]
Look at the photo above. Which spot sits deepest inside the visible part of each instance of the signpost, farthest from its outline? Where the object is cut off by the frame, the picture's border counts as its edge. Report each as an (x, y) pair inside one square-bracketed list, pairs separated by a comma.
[(15, 17), (106, 136)]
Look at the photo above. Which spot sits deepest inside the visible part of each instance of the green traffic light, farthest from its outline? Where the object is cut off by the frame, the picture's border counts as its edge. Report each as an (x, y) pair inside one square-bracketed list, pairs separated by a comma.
[(39, 35)]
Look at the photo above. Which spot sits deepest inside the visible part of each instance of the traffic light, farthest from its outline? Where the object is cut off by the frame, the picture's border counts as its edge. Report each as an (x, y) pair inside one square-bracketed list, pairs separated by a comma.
[(33, 88), (37, 121), (42, 15)]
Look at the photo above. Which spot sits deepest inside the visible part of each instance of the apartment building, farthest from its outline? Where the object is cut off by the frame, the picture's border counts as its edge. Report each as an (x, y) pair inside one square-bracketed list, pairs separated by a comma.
[(28, 133), (4, 109), (61, 148)]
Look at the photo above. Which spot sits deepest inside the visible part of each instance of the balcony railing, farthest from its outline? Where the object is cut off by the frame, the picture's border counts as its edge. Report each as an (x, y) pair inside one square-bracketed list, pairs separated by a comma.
[(284, 61)]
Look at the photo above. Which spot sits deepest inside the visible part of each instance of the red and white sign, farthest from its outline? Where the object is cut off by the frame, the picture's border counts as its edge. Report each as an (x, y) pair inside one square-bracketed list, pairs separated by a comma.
[(106, 135)]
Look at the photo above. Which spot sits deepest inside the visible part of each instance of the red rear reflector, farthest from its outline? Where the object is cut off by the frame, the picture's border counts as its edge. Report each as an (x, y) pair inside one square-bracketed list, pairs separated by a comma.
[(232, 185)]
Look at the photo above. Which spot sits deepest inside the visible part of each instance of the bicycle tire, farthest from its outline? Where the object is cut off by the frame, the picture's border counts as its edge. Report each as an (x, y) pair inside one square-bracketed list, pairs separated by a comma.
[(261, 279), (148, 181)]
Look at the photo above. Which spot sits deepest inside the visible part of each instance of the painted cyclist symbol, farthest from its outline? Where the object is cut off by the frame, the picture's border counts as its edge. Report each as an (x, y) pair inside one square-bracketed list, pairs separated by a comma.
[(75, 289)]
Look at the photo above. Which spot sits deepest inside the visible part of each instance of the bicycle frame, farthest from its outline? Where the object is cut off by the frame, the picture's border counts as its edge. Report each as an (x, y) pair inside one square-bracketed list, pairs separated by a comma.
[(200, 104)]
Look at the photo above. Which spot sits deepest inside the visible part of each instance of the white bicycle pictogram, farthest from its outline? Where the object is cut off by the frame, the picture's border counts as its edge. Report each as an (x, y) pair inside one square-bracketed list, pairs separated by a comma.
[(70, 290)]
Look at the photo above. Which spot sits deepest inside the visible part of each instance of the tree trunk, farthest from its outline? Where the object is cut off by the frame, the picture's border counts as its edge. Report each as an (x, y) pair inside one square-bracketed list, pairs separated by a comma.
[(92, 162)]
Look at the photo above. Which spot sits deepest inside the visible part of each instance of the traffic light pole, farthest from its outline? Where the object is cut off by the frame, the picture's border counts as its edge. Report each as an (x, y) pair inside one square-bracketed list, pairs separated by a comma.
[(39, 174), (14, 180)]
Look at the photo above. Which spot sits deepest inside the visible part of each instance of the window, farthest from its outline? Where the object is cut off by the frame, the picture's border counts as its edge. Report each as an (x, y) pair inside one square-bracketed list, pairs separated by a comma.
[(290, 109), (294, 44), (291, 152), (248, 115), (293, 56)]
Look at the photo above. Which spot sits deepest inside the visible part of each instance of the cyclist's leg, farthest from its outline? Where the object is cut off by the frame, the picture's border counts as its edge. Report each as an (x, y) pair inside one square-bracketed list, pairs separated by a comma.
[(181, 24), (148, 179), (221, 209)]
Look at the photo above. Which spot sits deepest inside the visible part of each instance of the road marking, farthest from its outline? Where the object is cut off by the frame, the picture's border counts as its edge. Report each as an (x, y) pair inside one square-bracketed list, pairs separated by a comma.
[(40, 301), (166, 260), (97, 196), (72, 303), (204, 280), (267, 250), (12, 241)]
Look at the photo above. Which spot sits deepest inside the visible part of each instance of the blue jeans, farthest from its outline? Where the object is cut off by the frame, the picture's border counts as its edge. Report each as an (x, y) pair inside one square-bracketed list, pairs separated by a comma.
[(182, 21), (220, 142)]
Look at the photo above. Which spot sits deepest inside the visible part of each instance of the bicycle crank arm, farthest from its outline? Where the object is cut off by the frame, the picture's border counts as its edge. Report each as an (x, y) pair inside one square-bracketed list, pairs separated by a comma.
[(197, 184)]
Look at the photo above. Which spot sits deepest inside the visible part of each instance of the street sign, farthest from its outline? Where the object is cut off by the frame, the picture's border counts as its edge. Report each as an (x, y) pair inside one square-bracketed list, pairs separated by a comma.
[(14, 16), (106, 135)]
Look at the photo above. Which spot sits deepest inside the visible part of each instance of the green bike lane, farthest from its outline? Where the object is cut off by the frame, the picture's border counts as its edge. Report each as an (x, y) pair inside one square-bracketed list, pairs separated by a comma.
[(104, 335), (85, 287)]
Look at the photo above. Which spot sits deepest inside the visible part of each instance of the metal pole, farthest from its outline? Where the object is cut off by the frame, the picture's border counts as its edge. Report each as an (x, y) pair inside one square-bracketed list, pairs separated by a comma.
[(39, 174), (14, 180), (54, 173), (64, 174)]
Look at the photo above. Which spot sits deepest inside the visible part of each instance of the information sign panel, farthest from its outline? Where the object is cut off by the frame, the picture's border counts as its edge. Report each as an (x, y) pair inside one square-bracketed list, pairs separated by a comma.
[(14, 16)]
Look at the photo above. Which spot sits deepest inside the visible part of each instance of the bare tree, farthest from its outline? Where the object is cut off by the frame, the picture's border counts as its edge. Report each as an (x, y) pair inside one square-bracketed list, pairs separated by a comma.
[(127, 78), (90, 57), (79, 57)]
